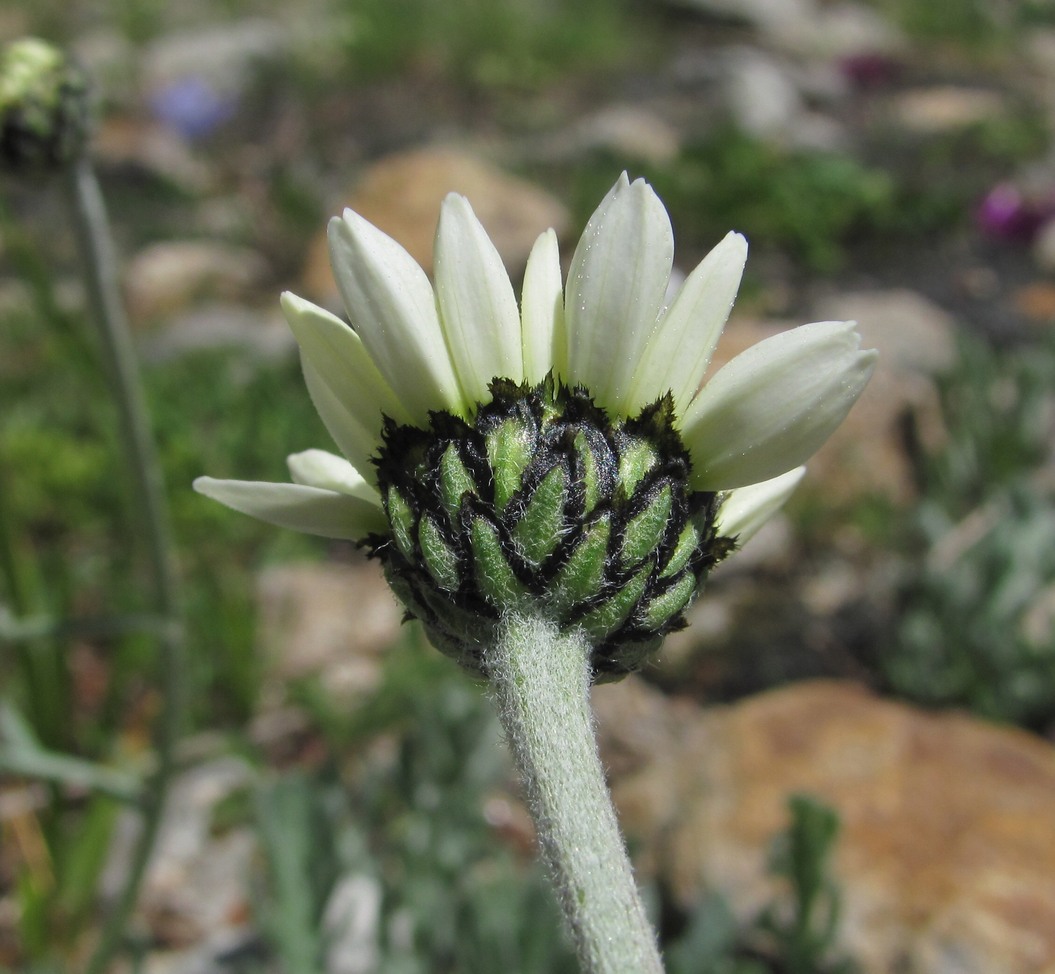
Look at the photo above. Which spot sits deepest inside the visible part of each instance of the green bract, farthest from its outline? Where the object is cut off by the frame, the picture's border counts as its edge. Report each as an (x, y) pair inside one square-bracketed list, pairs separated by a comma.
[(544, 505)]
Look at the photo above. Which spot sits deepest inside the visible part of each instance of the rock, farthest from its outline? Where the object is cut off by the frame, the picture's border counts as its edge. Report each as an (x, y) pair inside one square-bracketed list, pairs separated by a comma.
[(761, 94), (630, 131), (1036, 302), (913, 334), (1039, 47), (1044, 246), (171, 275), (328, 621), (946, 108), (351, 922), (842, 30), (946, 857), (196, 891), (916, 342), (263, 335), (766, 97), (1038, 621), (402, 193), (222, 54)]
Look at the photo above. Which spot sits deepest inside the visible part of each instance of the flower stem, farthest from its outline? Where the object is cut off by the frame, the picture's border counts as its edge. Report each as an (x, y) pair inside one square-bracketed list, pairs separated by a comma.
[(100, 265), (541, 679)]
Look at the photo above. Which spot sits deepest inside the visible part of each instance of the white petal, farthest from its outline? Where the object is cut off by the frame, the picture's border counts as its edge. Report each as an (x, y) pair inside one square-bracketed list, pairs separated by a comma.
[(478, 309), (336, 357), (542, 311), (681, 347), (393, 310), (745, 509), (356, 441), (772, 406), (317, 468), (616, 285), (307, 509)]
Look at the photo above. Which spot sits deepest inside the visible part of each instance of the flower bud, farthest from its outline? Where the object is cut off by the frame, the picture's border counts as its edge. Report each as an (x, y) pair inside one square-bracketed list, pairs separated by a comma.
[(43, 107), (544, 505)]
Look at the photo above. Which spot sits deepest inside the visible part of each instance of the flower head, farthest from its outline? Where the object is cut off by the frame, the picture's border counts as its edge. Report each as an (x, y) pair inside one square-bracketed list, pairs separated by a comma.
[(43, 107), (558, 457)]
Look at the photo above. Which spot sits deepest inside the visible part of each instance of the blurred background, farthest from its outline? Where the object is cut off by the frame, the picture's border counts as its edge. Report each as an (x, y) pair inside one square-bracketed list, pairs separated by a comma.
[(343, 803)]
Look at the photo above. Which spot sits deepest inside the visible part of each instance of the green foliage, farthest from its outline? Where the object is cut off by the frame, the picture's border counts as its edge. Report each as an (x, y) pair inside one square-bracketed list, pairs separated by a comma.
[(793, 935), (711, 944), (804, 941), (490, 43), (819, 207), (973, 27), (300, 844), (973, 629), (68, 503), (56, 891), (807, 204), (453, 896), (936, 192), (975, 608), (69, 577), (971, 23)]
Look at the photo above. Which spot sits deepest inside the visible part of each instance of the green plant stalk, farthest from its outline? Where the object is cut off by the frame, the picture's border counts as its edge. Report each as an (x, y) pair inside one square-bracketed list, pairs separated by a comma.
[(541, 680), (10, 564), (70, 772), (100, 267)]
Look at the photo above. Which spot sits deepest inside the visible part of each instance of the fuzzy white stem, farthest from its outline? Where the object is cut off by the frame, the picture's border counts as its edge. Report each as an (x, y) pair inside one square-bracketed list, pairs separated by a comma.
[(541, 679)]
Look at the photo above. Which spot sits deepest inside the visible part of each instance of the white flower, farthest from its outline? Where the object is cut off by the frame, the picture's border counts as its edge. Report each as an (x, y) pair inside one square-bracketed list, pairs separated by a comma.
[(413, 348)]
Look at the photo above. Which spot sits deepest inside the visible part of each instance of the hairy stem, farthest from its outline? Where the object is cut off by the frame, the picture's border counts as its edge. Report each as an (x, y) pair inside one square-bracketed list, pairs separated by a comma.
[(100, 266), (541, 679)]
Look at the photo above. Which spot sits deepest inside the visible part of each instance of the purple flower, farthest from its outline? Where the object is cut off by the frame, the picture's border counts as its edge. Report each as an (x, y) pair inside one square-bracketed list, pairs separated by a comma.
[(192, 106), (1005, 213), (869, 69)]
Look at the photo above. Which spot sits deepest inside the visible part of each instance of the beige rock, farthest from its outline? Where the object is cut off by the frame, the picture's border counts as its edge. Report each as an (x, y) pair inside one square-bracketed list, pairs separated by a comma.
[(1044, 247), (170, 276), (196, 889), (946, 108), (1036, 302), (262, 334), (630, 131), (946, 856), (402, 193), (329, 621), (843, 29)]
